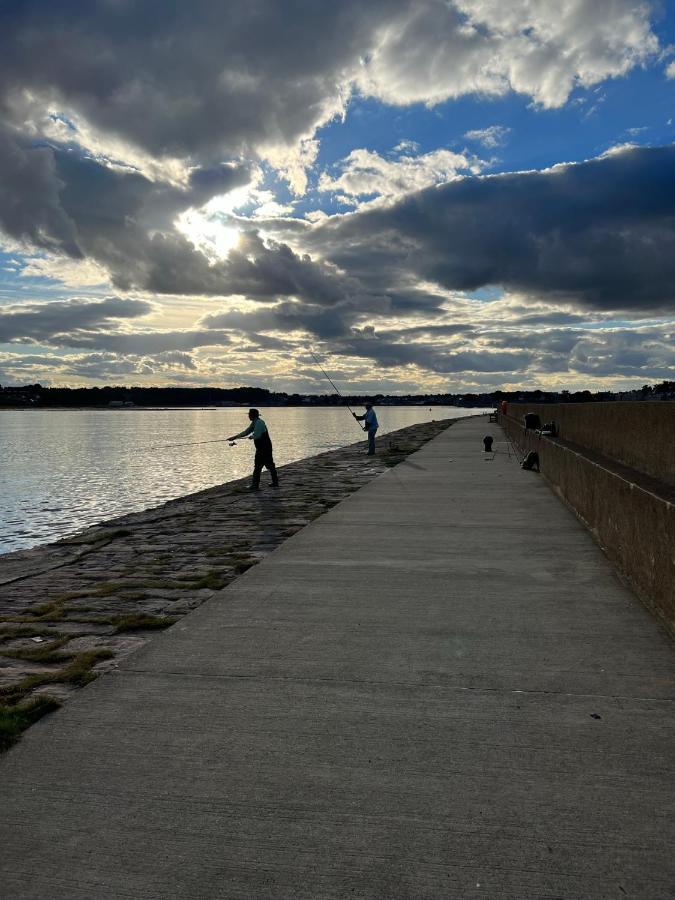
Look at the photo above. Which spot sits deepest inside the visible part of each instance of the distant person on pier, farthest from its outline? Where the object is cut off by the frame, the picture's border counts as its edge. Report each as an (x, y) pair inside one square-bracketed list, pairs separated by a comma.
[(257, 431), (370, 425)]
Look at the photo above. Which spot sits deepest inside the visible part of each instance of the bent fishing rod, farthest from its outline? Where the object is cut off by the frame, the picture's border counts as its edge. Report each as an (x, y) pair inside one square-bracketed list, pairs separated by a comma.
[(337, 389)]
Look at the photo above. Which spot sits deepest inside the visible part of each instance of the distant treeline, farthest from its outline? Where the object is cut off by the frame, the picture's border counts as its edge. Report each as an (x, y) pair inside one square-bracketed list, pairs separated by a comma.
[(144, 396), (37, 396)]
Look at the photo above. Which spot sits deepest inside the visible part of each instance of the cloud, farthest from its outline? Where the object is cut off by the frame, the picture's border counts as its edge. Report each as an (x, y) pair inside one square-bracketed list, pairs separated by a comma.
[(242, 78), (490, 137), (219, 79), (599, 235), (64, 202), (30, 205), (436, 51), (670, 70), (556, 342), (647, 356), (407, 146), (95, 366), (141, 343), (60, 199), (43, 321), (433, 358), (124, 222), (389, 348), (191, 92), (126, 124), (286, 317), (477, 356), (365, 173)]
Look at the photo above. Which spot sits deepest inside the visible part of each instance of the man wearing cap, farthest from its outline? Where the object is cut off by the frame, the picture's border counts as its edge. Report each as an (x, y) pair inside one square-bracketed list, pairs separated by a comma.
[(370, 425), (257, 431)]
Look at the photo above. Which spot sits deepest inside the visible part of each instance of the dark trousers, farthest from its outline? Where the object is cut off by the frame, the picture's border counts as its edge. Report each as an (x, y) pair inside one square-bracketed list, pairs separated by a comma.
[(371, 441), (263, 459)]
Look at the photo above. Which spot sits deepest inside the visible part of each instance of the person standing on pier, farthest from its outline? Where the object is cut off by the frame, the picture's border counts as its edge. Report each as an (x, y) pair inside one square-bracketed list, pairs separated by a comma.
[(370, 425), (257, 431)]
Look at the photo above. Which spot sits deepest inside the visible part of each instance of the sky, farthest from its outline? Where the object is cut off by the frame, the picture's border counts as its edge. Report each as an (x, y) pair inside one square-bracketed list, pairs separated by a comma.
[(428, 195)]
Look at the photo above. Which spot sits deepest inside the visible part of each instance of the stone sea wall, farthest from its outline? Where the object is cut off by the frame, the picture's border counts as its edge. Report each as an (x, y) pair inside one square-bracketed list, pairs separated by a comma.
[(629, 509), (637, 434)]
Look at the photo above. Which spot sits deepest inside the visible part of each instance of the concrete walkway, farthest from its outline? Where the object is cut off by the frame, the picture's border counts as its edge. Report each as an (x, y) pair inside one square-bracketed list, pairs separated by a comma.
[(438, 689)]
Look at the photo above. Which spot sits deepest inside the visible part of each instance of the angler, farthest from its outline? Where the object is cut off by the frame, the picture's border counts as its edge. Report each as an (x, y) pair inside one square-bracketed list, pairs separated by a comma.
[(370, 425), (257, 431)]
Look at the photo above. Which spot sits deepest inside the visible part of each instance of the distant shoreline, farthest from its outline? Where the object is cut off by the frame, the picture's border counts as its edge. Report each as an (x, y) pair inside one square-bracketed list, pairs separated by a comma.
[(114, 409)]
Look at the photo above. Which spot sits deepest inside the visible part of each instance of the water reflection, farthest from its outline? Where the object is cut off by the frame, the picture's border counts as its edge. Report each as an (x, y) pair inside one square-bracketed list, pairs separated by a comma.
[(63, 470)]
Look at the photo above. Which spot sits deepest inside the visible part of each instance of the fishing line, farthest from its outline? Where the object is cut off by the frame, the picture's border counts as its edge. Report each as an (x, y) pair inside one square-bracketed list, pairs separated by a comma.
[(334, 385), (190, 444)]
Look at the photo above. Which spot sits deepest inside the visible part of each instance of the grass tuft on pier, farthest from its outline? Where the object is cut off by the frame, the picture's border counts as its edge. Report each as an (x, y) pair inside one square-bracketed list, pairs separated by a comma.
[(15, 719)]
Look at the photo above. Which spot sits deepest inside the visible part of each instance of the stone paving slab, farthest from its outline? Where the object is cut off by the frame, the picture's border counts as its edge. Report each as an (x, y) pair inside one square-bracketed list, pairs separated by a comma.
[(407, 711)]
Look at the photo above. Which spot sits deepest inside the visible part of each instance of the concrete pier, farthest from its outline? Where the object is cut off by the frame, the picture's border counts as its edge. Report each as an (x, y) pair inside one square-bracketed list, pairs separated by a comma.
[(439, 689)]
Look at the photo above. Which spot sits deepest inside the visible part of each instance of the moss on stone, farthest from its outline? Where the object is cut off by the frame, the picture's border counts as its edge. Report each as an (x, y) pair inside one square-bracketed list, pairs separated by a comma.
[(141, 620), (78, 672)]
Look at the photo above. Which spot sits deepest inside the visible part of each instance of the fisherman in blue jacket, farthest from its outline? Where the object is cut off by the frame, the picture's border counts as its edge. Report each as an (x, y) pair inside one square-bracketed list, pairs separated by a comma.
[(369, 420), (257, 431)]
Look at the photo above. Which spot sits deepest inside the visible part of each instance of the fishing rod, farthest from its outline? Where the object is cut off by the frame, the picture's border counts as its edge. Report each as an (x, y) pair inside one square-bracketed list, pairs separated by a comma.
[(334, 385)]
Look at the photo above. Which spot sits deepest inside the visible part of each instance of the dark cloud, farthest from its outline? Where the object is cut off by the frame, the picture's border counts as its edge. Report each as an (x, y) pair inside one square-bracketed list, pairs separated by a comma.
[(599, 235), (267, 342), (558, 341), (265, 270), (205, 78), (189, 81), (45, 321), (174, 357), (647, 355), (30, 204), (286, 317), (96, 196), (433, 358)]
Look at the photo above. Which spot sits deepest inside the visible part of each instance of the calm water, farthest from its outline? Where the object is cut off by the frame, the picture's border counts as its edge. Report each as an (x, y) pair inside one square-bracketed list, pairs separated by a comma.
[(61, 471)]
